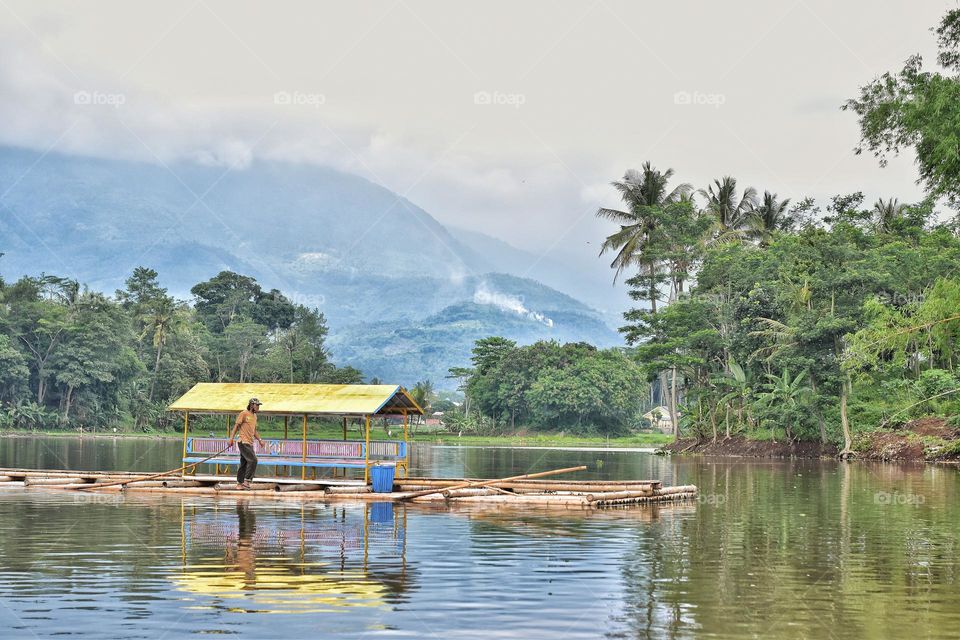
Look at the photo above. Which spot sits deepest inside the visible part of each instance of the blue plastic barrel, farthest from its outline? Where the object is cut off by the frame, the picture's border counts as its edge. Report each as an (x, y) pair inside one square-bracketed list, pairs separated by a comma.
[(381, 476)]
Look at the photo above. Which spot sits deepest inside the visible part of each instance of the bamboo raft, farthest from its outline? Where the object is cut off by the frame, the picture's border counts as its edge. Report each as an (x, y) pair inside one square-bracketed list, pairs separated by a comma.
[(532, 490)]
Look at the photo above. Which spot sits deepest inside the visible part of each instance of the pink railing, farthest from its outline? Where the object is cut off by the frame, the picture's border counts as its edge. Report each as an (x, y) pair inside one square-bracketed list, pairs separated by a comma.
[(345, 449)]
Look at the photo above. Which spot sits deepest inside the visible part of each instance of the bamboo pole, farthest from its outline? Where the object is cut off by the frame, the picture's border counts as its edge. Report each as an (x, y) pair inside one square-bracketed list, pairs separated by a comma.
[(487, 483)]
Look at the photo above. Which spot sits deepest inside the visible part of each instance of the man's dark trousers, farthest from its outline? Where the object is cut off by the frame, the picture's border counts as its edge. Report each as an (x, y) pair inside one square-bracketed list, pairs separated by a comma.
[(248, 463)]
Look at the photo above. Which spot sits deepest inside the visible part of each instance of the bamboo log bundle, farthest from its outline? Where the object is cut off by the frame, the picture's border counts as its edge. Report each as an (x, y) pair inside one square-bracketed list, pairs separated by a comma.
[(345, 490), (559, 485), (671, 497), (11, 484), (300, 487), (528, 487), (6, 478), (487, 483), (552, 501), (576, 486), (683, 492), (232, 486)]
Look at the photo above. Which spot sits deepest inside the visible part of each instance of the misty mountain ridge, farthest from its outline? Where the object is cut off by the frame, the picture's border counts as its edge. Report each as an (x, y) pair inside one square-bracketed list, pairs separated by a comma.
[(378, 266)]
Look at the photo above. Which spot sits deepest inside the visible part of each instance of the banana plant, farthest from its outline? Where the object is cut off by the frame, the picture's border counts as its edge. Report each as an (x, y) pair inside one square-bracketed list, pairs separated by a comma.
[(787, 394)]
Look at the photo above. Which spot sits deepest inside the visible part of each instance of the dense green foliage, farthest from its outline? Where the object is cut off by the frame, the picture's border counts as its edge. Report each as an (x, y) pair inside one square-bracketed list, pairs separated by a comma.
[(548, 385), (802, 323), (920, 110), (75, 358)]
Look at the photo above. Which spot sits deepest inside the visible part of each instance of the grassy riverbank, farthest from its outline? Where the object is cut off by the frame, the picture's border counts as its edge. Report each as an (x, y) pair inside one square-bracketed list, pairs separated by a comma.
[(333, 432), (929, 439)]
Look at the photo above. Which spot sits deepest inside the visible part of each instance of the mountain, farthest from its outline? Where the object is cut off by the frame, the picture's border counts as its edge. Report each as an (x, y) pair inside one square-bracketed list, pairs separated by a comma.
[(383, 270)]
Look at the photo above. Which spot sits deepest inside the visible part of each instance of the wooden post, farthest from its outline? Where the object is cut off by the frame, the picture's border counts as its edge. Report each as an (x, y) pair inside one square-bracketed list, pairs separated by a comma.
[(186, 427), (344, 427), (303, 467), (366, 454)]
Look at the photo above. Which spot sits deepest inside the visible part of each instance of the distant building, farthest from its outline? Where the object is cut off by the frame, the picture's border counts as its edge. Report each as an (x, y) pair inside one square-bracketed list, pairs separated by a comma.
[(659, 419)]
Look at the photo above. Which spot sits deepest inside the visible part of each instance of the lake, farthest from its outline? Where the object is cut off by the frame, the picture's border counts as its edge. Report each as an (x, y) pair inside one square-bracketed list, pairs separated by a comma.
[(772, 549)]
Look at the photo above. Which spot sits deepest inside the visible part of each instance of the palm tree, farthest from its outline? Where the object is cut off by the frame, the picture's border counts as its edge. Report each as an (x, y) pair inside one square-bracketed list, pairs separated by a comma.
[(887, 214), (160, 320), (645, 194), (786, 395), (729, 210), (423, 395), (767, 218)]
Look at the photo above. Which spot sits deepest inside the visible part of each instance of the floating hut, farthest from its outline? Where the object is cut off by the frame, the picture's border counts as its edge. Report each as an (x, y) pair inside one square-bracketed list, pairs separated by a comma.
[(301, 402)]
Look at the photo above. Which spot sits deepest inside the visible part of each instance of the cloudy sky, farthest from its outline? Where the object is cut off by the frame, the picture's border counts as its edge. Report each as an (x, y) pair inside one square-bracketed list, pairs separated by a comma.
[(504, 117)]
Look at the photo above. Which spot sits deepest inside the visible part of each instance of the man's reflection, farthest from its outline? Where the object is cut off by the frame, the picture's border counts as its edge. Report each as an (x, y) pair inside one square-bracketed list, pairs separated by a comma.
[(243, 557)]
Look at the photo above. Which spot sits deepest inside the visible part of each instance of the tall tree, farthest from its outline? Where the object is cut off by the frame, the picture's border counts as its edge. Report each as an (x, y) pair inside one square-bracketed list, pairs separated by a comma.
[(646, 194)]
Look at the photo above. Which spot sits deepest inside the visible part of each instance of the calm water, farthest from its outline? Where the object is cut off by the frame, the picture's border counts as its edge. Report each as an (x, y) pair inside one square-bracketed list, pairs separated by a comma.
[(771, 550)]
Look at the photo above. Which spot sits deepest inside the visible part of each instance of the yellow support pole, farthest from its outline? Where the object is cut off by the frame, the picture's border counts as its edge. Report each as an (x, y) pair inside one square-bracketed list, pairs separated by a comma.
[(303, 467), (286, 424), (406, 441), (186, 427), (366, 454)]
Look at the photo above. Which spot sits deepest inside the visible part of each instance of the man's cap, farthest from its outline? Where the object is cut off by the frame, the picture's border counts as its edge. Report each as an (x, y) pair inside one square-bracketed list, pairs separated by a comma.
[(255, 401)]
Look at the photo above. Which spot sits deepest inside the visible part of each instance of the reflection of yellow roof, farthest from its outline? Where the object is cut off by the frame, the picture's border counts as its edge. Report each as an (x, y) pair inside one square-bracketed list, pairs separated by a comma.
[(275, 589), (298, 399)]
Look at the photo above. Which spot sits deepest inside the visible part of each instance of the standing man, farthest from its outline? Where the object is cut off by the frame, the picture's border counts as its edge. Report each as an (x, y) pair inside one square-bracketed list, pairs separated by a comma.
[(247, 426)]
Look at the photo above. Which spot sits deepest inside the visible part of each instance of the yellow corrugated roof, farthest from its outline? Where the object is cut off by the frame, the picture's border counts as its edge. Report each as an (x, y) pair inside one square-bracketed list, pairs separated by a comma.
[(297, 399)]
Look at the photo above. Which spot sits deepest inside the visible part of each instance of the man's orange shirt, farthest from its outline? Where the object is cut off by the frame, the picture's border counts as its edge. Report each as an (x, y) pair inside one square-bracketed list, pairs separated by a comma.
[(248, 426)]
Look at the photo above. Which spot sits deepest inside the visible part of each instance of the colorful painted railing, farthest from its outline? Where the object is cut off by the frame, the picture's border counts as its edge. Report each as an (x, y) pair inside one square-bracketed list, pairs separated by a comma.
[(319, 453)]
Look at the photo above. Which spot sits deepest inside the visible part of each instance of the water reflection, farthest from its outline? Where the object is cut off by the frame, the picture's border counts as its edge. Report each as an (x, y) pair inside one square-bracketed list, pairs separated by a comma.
[(296, 563), (773, 548)]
